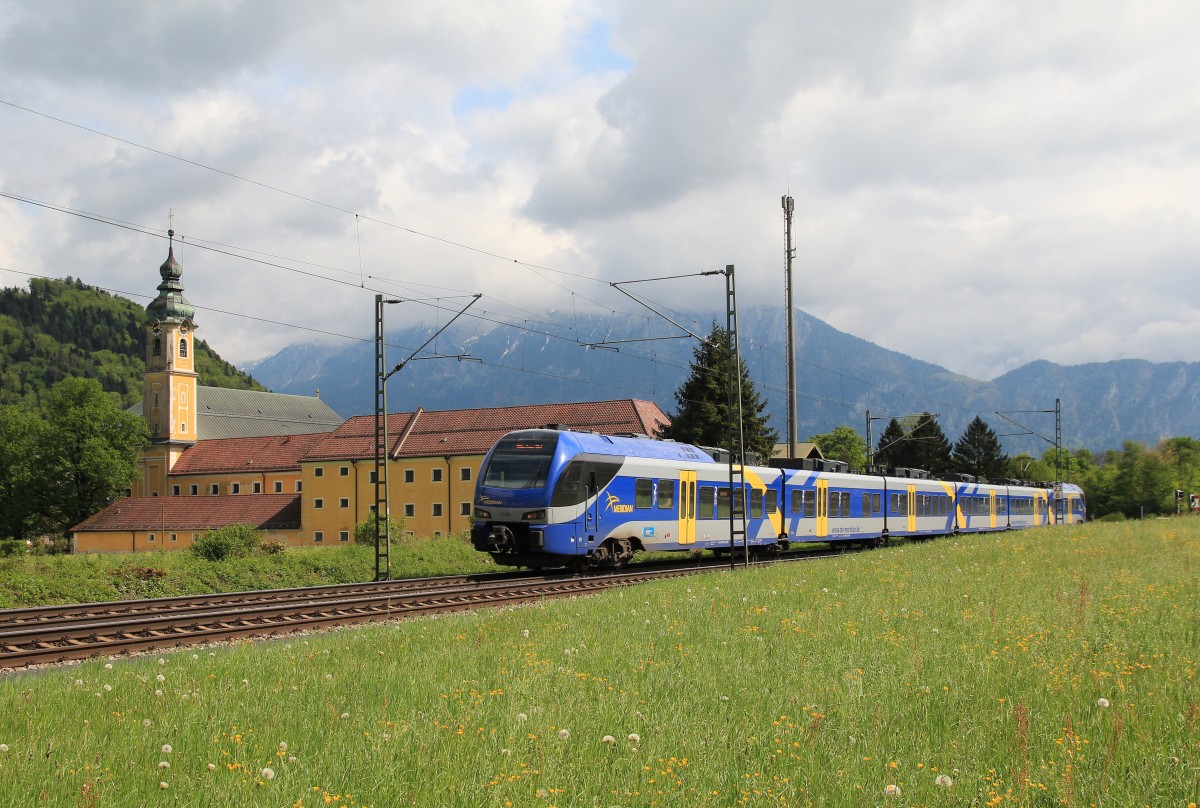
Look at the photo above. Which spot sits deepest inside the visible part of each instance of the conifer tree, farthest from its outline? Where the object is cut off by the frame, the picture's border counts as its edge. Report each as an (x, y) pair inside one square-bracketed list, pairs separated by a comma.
[(704, 415), (891, 452), (978, 452)]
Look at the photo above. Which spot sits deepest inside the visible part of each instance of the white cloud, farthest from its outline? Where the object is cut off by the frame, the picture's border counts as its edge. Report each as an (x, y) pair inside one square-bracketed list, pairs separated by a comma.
[(978, 185)]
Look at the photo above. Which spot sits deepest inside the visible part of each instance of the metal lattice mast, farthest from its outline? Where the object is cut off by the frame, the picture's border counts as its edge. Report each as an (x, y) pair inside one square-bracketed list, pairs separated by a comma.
[(1059, 503), (789, 205), (383, 539), (737, 437)]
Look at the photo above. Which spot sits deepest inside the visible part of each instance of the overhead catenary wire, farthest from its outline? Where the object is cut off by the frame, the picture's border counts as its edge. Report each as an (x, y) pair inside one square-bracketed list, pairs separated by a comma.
[(230, 251)]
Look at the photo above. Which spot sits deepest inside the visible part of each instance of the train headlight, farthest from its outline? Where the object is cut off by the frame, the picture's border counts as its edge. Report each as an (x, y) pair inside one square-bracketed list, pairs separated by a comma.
[(480, 513), (533, 516)]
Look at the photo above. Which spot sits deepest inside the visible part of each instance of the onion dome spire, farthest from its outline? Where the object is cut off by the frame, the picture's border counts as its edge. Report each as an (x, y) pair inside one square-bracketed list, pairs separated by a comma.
[(170, 305)]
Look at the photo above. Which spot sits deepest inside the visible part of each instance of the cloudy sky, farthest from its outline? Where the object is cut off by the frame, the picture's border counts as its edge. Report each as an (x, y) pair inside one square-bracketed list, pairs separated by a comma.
[(976, 184)]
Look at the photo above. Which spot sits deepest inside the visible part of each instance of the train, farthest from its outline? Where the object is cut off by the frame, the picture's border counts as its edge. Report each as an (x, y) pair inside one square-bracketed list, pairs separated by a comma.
[(557, 497)]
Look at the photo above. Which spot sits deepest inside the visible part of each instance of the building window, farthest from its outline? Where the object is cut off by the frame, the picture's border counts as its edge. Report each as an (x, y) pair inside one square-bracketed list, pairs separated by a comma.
[(183, 427), (344, 536), (372, 477), (157, 346), (464, 474), (344, 502), (297, 486), (193, 489), (410, 509), (318, 472), (174, 490), (174, 537), (437, 475), (409, 475), (464, 509), (150, 537), (235, 488), (343, 471), (278, 486), (408, 534), (437, 509), (318, 536), (258, 488), (214, 489), (437, 534), (183, 347), (318, 503)]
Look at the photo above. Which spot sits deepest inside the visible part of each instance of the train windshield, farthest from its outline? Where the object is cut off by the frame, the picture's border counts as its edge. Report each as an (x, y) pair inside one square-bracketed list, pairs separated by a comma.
[(521, 461)]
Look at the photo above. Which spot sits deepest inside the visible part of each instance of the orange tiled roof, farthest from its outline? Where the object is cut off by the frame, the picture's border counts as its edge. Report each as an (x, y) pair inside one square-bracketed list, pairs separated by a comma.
[(264, 511), (278, 453), (474, 431)]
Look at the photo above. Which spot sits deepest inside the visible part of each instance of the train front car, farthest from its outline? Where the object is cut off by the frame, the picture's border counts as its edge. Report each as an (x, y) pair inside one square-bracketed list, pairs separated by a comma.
[(552, 498)]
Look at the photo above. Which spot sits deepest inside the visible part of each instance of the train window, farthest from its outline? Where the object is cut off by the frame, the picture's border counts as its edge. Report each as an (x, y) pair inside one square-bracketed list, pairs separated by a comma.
[(810, 504), (875, 506), (643, 493), (666, 493), (797, 505), (904, 504), (708, 496), (520, 460), (844, 496), (579, 480), (866, 504), (895, 503), (723, 503), (772, 501), (739, 501), (756, 503), (835, 505)]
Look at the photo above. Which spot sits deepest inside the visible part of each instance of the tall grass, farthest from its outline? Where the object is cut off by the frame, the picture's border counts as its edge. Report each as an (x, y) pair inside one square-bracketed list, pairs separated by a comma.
[(40, 580), (1050, 667)]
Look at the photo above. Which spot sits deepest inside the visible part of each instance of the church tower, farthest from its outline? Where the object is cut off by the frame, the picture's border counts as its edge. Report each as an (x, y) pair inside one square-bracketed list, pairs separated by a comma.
[(169, 385)]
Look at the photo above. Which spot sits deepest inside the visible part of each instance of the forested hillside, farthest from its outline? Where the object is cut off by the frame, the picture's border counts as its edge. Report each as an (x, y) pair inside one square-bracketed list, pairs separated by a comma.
[(57, 329)]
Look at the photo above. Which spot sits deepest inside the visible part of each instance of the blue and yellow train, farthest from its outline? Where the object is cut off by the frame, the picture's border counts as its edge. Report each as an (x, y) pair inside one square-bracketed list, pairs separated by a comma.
[(557, 497)]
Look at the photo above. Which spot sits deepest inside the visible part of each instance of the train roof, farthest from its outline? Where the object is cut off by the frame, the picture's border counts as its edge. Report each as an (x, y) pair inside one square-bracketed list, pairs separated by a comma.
[(633, 445)]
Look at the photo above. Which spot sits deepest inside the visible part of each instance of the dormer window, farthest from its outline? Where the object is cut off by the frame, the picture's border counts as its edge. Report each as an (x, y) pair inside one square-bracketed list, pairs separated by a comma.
[(183, 347)]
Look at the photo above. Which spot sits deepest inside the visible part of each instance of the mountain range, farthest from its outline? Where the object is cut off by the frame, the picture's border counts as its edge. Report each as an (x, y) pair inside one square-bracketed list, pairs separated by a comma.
[(839, 378)]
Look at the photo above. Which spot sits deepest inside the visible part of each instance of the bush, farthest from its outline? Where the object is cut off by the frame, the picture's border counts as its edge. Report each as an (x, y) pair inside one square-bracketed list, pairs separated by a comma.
[(12, 547), (364, 531), (1112, 517), (235, 541)]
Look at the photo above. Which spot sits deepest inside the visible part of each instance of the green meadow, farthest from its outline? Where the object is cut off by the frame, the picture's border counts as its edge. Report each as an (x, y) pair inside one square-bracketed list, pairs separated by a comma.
[(1050, 667)]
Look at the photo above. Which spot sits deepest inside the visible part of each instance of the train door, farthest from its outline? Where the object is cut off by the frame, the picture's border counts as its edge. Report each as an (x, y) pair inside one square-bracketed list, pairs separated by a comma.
[(912, 508), (687, 507), (822, 508), (992, 507)]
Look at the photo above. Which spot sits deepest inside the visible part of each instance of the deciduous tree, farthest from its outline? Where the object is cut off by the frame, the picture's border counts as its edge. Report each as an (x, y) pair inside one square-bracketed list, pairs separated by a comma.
[(845, 444)]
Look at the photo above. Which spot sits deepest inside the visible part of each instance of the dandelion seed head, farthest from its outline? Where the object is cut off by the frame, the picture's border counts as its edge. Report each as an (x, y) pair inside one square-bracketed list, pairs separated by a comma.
[(1102, 702), (166, 749), (633, 737), (943, 781), (345, 715), (506, 752), (245, 681), (107, 666), (564, 733), (268, 773), (521, 717), (163, 786), (107, 688), (608, 739), (162, 661), (291, 758), (195, 656), (146, 722), (329, 677), (3, 747), (525, 633), (161, 678), (212, 767), (283, 746), (158, 692), (892, 790), (79, 683), (162, 764)]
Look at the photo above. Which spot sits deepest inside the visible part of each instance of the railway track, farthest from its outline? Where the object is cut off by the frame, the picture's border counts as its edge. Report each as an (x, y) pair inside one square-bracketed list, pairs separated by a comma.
[(52, 634), (47, 635)]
